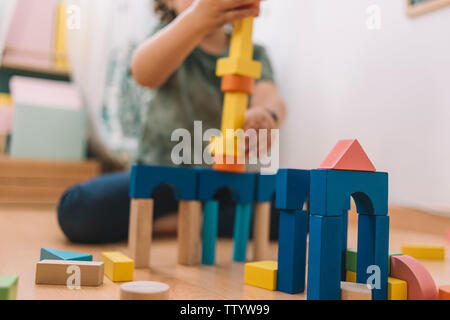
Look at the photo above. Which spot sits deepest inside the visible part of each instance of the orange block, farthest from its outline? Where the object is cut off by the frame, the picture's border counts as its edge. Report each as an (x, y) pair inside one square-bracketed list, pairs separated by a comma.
[(444, 293), (347, 155), (421, 285), (237, 83), (228, 164)]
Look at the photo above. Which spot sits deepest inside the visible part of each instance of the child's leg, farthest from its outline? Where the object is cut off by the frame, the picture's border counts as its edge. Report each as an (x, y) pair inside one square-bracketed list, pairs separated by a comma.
[(97, 211)]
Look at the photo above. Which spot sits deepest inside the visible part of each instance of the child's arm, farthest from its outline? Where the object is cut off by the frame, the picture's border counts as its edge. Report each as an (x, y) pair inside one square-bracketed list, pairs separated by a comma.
[(267, 110), (158, 57)]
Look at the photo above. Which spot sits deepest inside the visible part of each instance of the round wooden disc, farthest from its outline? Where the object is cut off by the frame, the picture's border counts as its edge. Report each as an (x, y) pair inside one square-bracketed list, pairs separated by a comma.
[(144, 290)]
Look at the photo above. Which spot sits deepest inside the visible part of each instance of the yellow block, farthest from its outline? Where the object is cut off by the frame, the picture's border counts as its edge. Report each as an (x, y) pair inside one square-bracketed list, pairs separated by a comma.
[(234, 108), (350, 276), (61, 61), (228, 145), (243, 67), (118, 267), (424, 251), (5, 99), (241, 45), (262, 274), (397, 289)]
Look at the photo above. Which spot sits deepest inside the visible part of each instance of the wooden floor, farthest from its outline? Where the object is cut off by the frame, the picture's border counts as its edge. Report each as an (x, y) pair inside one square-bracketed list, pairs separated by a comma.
[(24, 231)]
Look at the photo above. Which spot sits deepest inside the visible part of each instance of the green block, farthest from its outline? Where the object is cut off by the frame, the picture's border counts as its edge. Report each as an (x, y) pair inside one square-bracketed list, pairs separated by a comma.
[(7, 73), (48, 133), (56, 254), (350, 260), (392, 253), (8, 287)]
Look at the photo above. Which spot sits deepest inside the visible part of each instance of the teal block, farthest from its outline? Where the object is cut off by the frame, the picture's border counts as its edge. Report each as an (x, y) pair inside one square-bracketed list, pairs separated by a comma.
[(350, 260), (56, 254), (241, 231), (8, 287), (209, 233), (48, 133)]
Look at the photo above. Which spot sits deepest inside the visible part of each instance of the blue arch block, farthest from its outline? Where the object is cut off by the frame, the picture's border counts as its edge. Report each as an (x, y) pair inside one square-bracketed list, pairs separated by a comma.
[(331, 191), (265, 187), (242, 185), (145, 179), (292, 189)]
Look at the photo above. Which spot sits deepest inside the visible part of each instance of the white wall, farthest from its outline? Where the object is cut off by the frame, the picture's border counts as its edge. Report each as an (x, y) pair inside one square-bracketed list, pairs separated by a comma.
[(388, 88)]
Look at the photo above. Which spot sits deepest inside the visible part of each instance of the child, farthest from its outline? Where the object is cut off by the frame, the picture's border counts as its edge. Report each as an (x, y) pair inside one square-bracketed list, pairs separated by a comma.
[(178, 61)]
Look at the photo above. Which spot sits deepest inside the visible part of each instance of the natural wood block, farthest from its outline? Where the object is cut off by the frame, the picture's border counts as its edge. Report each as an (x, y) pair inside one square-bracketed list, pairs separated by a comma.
[(261, 230), (57, 272), (118, 267), (140, 231), (144, 290), (355, 291), (189, 232)]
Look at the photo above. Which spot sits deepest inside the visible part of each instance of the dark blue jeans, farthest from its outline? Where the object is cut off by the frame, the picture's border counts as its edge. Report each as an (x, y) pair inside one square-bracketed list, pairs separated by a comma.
[(97, 211)]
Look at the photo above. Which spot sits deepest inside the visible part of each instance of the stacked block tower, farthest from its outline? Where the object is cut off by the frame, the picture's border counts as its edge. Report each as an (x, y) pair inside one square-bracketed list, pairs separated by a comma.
[(238, 72)]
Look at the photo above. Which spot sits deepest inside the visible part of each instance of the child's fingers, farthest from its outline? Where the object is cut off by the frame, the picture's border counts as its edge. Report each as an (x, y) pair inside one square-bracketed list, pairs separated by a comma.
[(239, 14), (234, 4)]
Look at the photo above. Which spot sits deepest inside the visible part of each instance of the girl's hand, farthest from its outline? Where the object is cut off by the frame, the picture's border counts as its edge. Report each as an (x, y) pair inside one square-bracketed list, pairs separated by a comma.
[(258, 118), (212, 14)]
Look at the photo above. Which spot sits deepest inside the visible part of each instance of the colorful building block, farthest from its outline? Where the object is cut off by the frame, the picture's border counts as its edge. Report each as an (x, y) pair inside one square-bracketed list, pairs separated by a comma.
[(56, 254), (331, 191), (59, 272), (262, 274), (421, 285), (266, 185), (347, 155), (118, 267), (145, 179), (237, 83), (292, 251), (424, 251), (242, 186), (397, 289), (373, 250), (241, 44), (350, 260), (144, 290), (350, 276), (234, 108), (355, 291), (240, 66), (324, 255), (444, 293), (241, 233), (292, 189), (209, 233), (8, 287)]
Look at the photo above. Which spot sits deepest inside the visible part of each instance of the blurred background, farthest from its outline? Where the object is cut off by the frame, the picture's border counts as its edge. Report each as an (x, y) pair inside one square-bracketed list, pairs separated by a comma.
[(378, 71)]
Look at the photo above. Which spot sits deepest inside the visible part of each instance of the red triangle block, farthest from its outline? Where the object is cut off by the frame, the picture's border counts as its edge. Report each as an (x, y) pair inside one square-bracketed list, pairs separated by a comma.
[(347, 155)]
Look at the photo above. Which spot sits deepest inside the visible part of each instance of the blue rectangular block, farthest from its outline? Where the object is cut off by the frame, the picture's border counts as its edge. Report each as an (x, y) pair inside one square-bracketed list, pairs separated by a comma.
[(145, 179), (209, 233), (292, 251), (241, 231), (56, 254), (324, 258), (373, 250), (265, 187), (331, 191), (292, 189), (242, 185)]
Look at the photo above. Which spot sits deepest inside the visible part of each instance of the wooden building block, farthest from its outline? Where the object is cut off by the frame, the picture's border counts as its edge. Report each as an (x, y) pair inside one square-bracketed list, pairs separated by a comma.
[(57, 272), (8, 287), (118, 267), (189, 232), (421, 285), (355, 291), (241, 44), (237, 83), (144, 290), (227, 163), (241, 231), (350, 260), (239, 66), (261, 230), (56, 254), (262, 274), (209, 232), (424, 251), (140, 231), (234, 107), (350, 276), (444, 293), (397, 289)]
